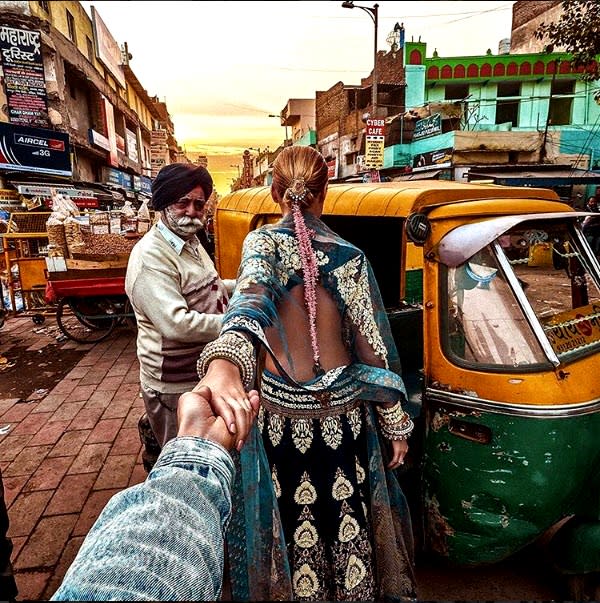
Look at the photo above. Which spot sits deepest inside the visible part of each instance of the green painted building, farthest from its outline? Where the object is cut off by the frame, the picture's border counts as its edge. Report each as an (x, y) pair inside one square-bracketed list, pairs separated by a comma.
[(470, 114)]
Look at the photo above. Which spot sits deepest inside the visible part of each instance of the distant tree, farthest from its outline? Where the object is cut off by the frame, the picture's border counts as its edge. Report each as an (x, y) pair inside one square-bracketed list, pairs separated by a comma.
[(578, 32)]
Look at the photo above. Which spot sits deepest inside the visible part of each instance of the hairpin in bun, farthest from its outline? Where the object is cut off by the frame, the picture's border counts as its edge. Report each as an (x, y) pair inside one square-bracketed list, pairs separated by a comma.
[(297, 191)]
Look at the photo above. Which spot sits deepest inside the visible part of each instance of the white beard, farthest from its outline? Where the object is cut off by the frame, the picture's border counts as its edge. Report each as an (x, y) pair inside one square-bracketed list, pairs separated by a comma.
[(183, 226)]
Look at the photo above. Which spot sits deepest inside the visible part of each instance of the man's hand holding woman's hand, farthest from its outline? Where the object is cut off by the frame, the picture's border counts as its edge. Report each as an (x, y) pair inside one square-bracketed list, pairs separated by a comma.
[(201, 414)]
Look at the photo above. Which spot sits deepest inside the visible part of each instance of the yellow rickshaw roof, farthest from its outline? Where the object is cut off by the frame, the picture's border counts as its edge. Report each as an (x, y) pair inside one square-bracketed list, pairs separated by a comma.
[(388, 198)]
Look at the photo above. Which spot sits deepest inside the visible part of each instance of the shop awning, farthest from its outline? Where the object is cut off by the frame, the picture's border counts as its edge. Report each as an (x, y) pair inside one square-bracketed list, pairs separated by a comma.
[(537, 177)]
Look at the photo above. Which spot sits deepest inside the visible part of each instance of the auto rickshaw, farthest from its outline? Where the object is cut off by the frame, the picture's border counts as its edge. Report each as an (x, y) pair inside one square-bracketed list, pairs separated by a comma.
[(493, 296)]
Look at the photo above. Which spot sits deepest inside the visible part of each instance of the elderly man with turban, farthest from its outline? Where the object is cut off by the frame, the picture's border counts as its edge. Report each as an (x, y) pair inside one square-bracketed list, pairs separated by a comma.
[(176, 294)]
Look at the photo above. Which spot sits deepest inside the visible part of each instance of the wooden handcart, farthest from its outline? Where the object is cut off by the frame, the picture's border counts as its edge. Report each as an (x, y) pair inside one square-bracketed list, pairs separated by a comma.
[(91, 299)]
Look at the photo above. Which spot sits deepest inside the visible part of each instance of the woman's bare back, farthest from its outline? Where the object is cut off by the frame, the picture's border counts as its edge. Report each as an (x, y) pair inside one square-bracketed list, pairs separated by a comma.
[(294, 322)]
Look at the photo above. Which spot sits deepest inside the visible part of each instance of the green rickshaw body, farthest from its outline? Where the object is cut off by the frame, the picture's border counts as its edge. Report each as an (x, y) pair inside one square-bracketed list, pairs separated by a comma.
[(494, 482)]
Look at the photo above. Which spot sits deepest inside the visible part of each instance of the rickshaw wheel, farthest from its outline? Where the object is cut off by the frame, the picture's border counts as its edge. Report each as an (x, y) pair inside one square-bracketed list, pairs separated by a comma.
[(84, 320), (584, 587)]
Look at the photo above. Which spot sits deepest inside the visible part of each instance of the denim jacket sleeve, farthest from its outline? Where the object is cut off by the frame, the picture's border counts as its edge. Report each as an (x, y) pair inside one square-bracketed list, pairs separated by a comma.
[(161, 539)]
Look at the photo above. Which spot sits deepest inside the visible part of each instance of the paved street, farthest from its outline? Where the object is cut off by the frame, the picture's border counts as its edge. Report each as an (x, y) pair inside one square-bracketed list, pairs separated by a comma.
[(64, 455), (65, 452)]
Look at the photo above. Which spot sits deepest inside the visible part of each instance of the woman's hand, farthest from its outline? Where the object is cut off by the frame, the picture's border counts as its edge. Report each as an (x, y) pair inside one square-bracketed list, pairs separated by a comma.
[(399, 450), (237, 407)]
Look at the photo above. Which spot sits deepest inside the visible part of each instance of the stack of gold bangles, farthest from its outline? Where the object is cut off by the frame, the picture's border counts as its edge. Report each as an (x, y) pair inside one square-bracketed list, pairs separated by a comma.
[(395, 423), (233, 347)]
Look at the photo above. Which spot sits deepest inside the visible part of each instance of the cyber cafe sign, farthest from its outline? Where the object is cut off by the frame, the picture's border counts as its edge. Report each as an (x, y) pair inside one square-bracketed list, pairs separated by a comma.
[(428, 126)]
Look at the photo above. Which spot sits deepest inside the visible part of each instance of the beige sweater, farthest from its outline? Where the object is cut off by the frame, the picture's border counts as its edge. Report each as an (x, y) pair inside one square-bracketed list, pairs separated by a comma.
[(178, 300)]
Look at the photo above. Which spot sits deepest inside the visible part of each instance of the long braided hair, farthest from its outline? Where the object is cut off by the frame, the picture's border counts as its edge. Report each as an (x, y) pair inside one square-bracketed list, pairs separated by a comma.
[(299, 178)]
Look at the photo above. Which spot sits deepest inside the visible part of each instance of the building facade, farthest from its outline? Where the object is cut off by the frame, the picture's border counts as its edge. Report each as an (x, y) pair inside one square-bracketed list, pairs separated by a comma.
[(69, 85)]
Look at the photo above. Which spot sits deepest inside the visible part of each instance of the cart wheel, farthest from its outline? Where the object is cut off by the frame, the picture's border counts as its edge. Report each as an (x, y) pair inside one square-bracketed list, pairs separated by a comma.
[(84, 320), (38, 319), (130, 320)]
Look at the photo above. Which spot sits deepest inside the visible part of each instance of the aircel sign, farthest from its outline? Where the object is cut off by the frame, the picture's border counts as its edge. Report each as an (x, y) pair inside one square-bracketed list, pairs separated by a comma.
[(34, 150)]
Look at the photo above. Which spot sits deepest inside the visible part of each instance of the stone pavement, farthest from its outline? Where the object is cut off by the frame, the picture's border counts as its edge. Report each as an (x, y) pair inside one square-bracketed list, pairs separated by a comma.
[(64, 455)]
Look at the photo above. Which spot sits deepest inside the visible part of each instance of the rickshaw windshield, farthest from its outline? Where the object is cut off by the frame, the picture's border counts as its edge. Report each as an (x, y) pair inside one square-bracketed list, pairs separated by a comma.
[(526, 299)]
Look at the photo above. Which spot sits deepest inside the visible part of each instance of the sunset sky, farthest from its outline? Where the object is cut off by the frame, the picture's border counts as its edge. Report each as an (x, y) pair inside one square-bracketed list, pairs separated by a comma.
[(223, 67)]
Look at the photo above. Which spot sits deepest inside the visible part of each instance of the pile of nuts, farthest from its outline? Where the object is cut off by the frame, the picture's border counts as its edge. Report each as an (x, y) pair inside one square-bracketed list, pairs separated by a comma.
[(106, 244)]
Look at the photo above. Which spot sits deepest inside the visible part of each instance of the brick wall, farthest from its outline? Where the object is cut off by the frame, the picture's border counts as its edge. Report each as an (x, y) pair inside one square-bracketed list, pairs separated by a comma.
[(332, 107), (527, 16)]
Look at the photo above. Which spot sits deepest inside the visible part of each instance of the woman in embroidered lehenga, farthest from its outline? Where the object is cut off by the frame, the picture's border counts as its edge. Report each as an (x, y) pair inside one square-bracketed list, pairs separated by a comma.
[(318, 513)]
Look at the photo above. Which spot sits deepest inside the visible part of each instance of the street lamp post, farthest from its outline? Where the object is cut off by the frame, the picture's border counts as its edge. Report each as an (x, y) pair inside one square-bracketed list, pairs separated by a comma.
[(373, 14), (284, 124)]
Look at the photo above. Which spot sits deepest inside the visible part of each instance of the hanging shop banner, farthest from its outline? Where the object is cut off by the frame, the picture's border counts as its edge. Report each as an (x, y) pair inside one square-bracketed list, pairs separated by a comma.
[(34, 150), (24, 81), (374, 146), (108, 51), (433, 159), (429, 126)]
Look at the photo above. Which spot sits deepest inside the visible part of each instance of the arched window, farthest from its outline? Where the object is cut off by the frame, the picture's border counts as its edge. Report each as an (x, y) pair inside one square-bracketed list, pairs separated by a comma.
[(539, 68), (459, 71), (499, 69), (525, 68), (416, 58), (433, 73), (565, 67)]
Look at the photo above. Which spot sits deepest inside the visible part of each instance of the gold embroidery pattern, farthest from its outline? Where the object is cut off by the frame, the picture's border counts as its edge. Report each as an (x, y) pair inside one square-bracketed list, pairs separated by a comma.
[(305, 493), (289, 401), (353, 565), (306, 535), (305, 582), (342, 488), (355, 572), (353, 285), (349, 529), (340, 567), (302, 434), (259, 268), (360, 472), (354, 419), (276, 484), (275, 428), (259, 243), (331, 430)]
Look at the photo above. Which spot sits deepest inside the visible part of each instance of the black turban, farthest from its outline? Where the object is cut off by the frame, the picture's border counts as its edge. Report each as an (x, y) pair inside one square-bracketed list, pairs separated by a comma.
[(176, 180)]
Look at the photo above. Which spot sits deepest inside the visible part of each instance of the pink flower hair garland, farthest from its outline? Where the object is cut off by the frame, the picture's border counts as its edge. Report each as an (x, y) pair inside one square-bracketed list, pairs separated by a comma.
[(311, 274)]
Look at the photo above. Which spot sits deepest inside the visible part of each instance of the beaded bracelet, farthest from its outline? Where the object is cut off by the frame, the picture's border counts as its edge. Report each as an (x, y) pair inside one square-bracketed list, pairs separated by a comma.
[(233, 347), (395, 423)]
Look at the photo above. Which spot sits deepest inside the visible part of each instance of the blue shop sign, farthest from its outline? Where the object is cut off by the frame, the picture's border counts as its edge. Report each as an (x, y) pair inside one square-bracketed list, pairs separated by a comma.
[(142, 184), (117, 177), (39, 150)]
